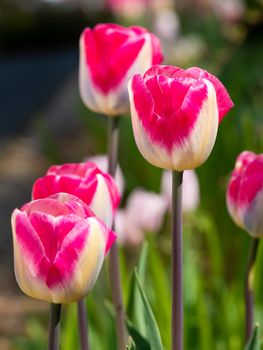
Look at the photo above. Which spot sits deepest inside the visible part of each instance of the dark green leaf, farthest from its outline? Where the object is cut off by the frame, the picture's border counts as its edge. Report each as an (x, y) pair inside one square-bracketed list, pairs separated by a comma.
[(253, 343), (153, 334)]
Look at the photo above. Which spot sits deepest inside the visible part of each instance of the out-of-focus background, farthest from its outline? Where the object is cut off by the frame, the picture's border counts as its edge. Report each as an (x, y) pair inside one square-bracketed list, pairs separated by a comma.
[(43, 121)]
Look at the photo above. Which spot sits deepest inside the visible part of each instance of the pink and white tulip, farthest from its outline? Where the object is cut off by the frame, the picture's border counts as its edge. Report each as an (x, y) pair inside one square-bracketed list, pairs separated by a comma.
[(59, 248), (84, 180), (175, 115), (109, 56), (245, 193)]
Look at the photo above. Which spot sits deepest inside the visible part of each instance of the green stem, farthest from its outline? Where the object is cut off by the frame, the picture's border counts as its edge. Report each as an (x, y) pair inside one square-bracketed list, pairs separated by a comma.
[(114, 268), (249, 295), (54, 326), (177, 263), (83, 325)]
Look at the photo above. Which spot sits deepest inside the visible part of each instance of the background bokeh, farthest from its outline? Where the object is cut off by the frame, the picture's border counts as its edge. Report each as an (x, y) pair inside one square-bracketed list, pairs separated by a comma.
[(43, 121)]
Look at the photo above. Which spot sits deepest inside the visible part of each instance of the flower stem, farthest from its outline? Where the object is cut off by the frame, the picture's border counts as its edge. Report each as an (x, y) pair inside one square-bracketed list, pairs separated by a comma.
[(249, 296), (177, 263), (54, 326), (83, 325), (114, 268)]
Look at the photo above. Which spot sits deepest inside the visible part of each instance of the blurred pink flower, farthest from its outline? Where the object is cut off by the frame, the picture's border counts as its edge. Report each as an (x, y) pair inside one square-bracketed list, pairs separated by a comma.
[(130, 9), (128, 233), (230, 11), (245, 193), (190, 193), (144, 213)]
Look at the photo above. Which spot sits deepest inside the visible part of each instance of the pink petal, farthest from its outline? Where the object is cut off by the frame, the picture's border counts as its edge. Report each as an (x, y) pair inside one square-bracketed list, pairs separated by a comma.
[(30, 245), (176, 107), (109, 55), (67, 257), (223, 99)]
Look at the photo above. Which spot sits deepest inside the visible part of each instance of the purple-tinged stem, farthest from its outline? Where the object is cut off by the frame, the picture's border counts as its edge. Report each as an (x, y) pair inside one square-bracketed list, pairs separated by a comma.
[(114, 268), (83, 325), (54, 326), (177, 263), (249, 295)]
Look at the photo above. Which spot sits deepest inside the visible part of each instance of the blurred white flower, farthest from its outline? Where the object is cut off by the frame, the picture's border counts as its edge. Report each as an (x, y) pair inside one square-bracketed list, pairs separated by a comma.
[(146, 209), (190, 192), (128, 234), (167, 25), (188, 49), (101, 160), (144, 213)]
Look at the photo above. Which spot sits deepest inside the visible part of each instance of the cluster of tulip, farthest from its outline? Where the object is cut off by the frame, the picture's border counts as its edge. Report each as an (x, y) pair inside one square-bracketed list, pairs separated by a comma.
[(62, 236)]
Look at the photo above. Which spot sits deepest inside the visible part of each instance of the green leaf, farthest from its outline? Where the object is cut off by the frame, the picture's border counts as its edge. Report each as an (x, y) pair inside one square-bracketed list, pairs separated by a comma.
[(253, 343), (138, 340), (153, 334), (135, 305), (131, 345)]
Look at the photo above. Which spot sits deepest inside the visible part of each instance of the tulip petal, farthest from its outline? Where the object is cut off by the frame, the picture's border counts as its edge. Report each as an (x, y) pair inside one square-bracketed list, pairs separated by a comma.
[(223, 99)]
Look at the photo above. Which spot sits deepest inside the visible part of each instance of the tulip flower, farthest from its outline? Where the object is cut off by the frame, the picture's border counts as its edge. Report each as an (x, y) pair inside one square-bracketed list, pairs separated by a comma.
[(109, 56), (59, 247), (84, 180), (245, 206), (175, 115), (245, 193)]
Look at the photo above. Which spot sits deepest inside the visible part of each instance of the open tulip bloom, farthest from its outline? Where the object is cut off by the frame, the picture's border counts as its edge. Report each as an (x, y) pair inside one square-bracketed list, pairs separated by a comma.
[(109, 55), (175, 117), (245, 206)]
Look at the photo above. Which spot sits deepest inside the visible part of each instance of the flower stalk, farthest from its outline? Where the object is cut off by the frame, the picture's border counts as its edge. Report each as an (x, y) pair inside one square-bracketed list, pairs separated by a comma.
[(249, 295), (177, 263), (114, 268), (83, 325), (54, 326)]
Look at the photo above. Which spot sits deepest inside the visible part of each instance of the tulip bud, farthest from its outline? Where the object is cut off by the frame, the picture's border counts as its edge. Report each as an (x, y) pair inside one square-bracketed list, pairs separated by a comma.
[(245, 193), (109, 56), (83, 180), (59, 247), (175, 115)]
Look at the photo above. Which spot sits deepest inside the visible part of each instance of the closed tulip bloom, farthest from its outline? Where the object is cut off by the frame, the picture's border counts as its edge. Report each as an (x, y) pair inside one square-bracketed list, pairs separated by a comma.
[(59, 247), (109, 56), (175, 115), (84, 180), (245, 193)]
